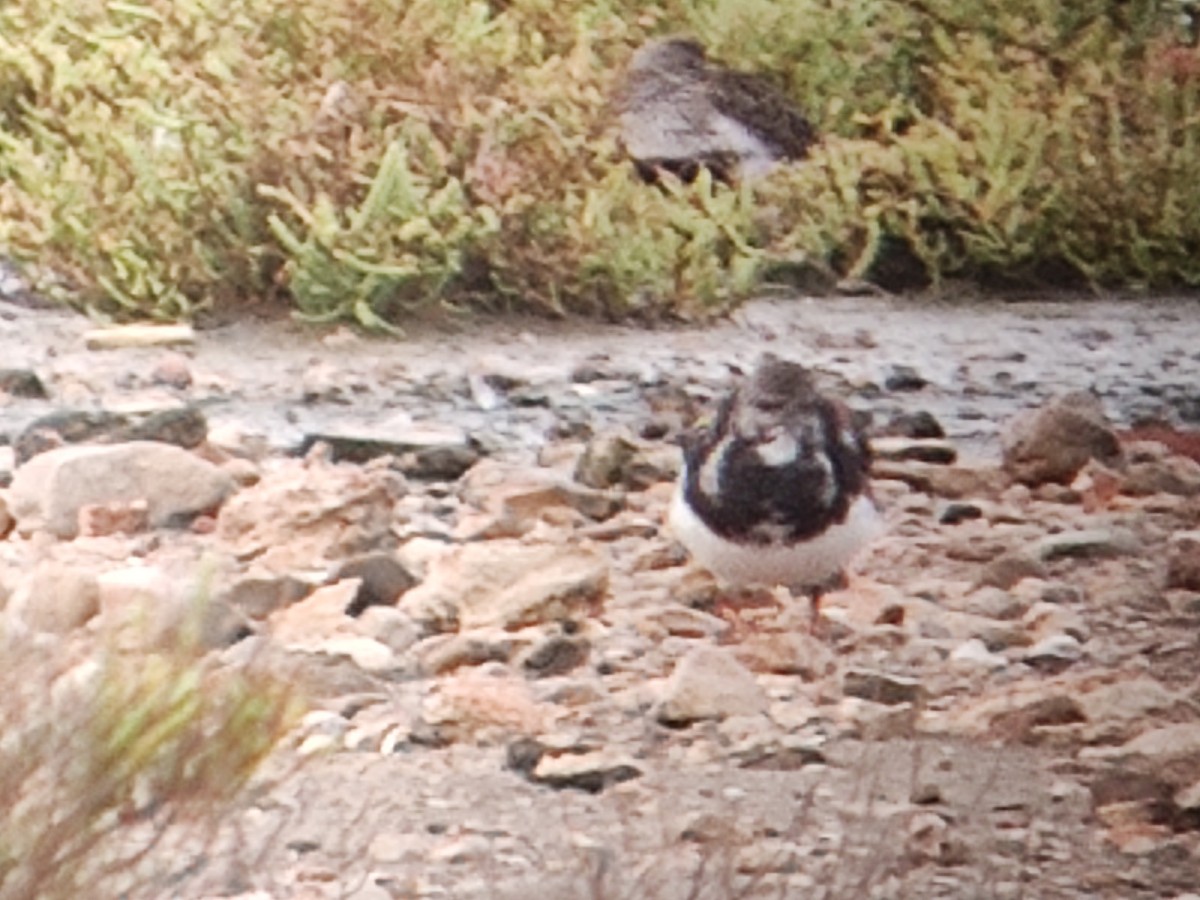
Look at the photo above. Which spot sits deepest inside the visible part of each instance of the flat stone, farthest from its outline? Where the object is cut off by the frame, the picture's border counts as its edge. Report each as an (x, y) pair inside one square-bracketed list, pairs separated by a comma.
[(591, 772), (514, 500), (49, 491), (709, 683), (1018, 713), (442, 653), (952, 482), (483, 704), (929, 450), (184, 426), (309, 513), (881, 687), (1169, 753), (1152, 769), (1114, 710), (1088, 543), (426, 451), (682, 621), (507, 584)]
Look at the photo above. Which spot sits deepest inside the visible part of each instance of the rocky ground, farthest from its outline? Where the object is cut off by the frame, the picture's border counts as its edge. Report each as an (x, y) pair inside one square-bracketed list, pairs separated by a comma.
[(519, 687)]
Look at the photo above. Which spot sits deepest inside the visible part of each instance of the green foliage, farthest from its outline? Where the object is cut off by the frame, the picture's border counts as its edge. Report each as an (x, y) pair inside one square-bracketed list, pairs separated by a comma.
[(368, 158), (97, 762)]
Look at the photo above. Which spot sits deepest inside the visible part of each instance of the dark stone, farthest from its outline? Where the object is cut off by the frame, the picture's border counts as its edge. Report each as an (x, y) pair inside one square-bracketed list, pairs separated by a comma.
[(184, 427), (896, 266), (260, 595), (904, 378), (880, 687), (935, 451), (593, 780), (955, 513), (65, 427), (22, 383), (384, 580), (435, 453), (556, 655), (523, 755), (920, 424), (782, 759)]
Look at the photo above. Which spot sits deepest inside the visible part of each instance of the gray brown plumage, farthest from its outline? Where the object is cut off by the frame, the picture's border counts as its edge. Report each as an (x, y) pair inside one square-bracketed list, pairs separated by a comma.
[(680, 112)]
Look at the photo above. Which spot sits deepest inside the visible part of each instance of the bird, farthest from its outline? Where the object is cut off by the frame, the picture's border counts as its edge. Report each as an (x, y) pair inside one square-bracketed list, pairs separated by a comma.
[(679, 112), (775, 489)]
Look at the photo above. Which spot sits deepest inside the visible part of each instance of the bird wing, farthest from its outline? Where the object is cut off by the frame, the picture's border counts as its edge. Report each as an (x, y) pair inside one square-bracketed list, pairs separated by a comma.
[(763, 109)]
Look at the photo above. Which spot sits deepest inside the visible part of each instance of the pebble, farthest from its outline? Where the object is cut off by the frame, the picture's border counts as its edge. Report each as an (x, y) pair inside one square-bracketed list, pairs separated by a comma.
[(22, 383)]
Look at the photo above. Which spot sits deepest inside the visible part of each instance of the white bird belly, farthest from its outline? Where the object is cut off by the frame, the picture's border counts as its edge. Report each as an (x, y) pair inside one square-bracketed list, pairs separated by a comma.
[(807, 563)]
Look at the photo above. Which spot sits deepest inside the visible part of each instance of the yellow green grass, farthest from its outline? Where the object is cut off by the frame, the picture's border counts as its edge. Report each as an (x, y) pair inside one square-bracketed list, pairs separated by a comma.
[(367, 159), (105, 758)]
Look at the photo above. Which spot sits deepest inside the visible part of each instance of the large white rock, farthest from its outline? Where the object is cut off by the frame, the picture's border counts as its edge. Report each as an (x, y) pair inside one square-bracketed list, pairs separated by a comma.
[(48, 491), (709, 683)]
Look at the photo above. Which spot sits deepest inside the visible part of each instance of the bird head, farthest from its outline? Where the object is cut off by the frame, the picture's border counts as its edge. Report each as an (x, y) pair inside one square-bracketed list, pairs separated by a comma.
[(671, 55)]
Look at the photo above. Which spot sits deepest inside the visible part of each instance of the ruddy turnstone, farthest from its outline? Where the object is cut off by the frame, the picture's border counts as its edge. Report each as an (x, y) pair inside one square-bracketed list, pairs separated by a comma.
[(679, 112), (775, 490)]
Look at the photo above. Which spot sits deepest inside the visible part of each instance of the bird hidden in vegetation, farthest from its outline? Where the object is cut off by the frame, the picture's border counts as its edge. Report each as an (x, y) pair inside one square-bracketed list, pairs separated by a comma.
[(679, 113)]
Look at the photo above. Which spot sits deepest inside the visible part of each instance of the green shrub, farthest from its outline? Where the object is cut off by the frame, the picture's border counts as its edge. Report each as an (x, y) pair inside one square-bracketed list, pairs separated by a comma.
[(368, 158), (99, 762)]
